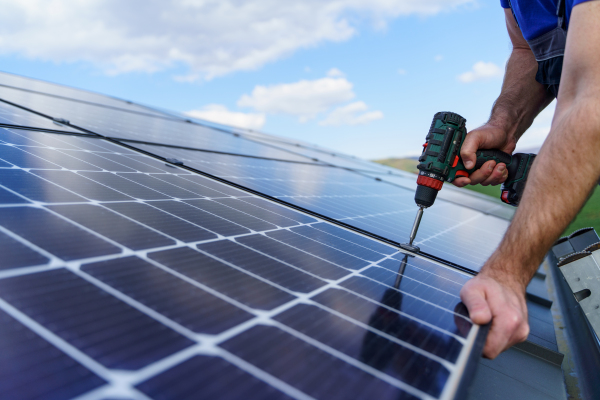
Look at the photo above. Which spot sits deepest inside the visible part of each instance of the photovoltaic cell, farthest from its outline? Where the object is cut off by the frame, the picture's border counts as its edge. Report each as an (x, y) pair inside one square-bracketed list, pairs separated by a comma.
[(399, 362), (286, 212), (220, 189), (137, 163), (384, 317), (319, 249), (230, 281), (26, 357), (113, 226), (231, 214), (290, 255), (36, 188), (284, 355), (125, 186), (82, 186), (97, 160), (337, 243), (161, 221), (98, 324), (225, 293), (184, 303), (7, 197), (59, 238), (17, 255), (24, 159), (258, 264), (257, 212), (219, 379), (424, 307), (159, 185), (201, 218)]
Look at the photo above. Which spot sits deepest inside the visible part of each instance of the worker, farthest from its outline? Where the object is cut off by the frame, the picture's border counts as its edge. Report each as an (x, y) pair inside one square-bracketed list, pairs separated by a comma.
[(555, 54)]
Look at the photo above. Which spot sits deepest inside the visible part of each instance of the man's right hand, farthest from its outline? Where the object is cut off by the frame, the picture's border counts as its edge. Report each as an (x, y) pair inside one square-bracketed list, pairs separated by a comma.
[(486, 137)]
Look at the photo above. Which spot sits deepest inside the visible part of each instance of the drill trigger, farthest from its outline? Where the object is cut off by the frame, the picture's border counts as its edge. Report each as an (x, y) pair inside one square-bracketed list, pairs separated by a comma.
[(455, 161), (461, 173)]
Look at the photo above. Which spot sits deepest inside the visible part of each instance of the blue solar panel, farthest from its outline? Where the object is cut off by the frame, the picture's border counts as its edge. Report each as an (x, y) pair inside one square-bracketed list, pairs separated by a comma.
[(455, 233), (151, 279), (124, 124)]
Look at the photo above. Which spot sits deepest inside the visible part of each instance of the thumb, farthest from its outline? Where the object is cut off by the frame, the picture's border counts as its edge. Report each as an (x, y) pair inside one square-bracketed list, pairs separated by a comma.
[(469, 148), (475, 300)]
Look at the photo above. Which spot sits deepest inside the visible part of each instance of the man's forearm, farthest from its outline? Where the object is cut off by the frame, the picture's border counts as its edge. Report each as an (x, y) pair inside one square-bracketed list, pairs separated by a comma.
[(564, 173), (522, 98), (567, 167)]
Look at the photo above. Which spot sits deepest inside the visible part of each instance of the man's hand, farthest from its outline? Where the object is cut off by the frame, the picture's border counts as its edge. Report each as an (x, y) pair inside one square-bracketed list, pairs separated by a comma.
[(486, 137), (492, 297)]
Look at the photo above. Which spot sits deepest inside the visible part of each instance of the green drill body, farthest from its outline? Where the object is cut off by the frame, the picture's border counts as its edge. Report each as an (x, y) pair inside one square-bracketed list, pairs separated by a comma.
[(441, 153)]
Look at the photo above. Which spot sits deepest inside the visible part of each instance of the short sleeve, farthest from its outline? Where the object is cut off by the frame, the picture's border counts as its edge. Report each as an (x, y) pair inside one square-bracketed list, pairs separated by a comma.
[(575, 2), (505, 3)]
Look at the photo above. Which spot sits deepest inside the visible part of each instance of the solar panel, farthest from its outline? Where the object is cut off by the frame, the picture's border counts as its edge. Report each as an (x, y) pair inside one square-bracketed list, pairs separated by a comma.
[(11, 115), (326, 156), (151, 280), (450, 231), (461, 196), (124, 124), (33, 86)]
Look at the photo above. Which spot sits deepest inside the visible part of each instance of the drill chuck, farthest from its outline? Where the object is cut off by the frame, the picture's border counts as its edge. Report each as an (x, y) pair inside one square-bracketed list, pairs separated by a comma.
[(425, 196)]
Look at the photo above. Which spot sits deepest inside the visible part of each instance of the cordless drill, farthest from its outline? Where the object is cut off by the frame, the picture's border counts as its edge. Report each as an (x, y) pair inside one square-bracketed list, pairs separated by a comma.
[(441, 162)]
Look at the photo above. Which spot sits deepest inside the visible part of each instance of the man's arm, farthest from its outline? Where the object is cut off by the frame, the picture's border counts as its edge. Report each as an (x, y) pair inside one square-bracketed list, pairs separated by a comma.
[(565, 171), (522, 98)]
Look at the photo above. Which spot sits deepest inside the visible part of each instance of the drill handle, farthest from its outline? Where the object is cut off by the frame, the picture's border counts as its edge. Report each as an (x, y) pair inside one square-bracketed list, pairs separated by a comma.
[(518, 166), (484, 156)]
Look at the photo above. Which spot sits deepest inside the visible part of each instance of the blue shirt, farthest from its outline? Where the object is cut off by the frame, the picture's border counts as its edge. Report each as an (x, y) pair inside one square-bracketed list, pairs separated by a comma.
[(537, 17)]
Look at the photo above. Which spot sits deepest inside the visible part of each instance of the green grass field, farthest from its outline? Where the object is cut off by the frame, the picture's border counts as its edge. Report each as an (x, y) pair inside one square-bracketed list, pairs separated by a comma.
[(589, 215)]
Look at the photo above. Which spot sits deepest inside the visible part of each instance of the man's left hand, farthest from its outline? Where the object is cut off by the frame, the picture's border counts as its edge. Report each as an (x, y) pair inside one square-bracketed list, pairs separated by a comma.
[(491, 297)]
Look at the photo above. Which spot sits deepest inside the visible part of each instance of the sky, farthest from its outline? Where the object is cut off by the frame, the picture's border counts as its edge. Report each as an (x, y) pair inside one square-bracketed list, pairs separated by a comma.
[(363, 77)]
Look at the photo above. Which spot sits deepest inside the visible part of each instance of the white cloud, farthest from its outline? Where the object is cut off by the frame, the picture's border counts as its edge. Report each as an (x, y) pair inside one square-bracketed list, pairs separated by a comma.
[(205, 38), (304, 99), (335, 73), (220, 114), (438, 58), (351, 114), (482, 71), (401, 71)]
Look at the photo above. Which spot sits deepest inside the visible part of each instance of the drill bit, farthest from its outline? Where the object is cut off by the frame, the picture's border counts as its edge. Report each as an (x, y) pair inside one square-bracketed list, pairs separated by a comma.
[(415, 228), (413, 233)]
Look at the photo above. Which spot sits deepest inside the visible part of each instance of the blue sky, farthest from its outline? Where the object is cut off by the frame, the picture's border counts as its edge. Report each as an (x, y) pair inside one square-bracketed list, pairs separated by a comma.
[(361, 77)]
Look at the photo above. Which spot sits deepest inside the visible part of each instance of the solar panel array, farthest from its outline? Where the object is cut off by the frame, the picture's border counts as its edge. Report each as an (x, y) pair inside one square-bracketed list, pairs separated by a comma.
[(235, 270)]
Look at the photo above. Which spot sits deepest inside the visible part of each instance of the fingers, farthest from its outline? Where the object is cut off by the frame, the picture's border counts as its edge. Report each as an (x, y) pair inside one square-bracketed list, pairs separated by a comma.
[(508, 328), (488, 174), (506, 331), (472, 143), (482, 173), (474, 297), (487, 299), (461, 182), (498, 175)]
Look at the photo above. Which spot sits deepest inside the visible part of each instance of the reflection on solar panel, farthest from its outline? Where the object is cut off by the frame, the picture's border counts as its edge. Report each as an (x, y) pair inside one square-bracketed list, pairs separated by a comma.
[(125, 277)]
